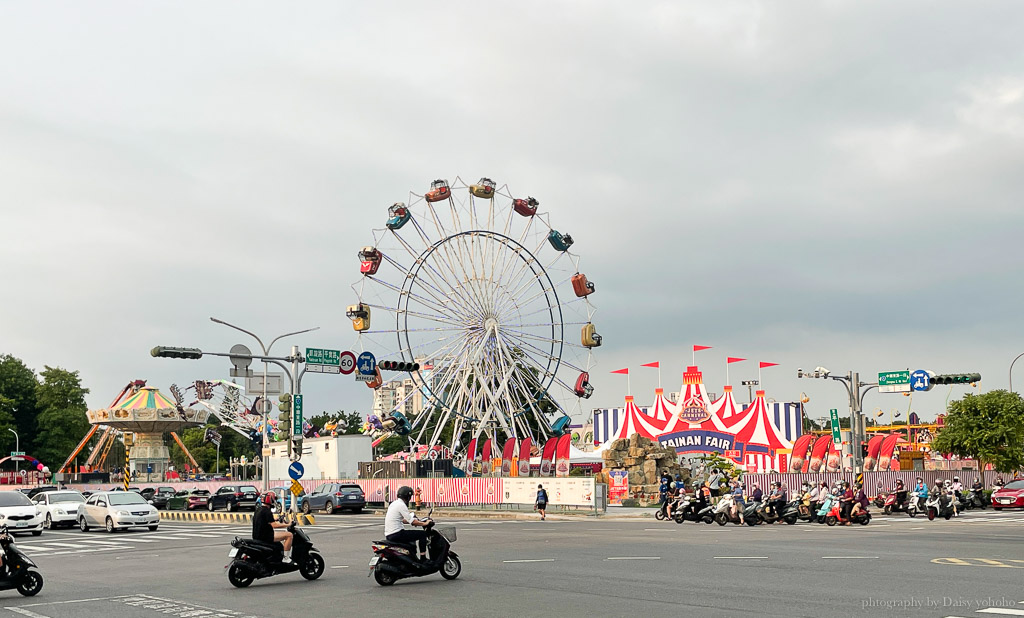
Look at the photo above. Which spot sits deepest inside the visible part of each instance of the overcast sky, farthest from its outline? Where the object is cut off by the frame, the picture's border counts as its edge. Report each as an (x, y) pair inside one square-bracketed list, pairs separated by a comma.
[(830, 183)]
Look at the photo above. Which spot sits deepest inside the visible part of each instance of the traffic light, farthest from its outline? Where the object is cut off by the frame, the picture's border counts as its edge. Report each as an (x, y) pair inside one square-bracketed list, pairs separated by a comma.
[(398, 366), (285, 407), (957, 378), (296, 450), (166, 352)]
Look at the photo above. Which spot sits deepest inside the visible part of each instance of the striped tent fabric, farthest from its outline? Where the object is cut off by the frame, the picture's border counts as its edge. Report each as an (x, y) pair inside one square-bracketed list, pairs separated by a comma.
[(660, 410), (633, 422), (693, 393), (725, 407), (759, 436), (788, 418), (608, 420), (147, 397)]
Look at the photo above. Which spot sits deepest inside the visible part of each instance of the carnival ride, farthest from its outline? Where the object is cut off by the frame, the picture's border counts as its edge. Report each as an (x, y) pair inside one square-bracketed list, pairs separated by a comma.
[(474, 285)]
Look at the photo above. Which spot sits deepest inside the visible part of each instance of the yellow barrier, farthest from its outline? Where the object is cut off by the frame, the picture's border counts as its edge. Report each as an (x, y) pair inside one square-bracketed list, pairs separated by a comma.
[(214, 517)]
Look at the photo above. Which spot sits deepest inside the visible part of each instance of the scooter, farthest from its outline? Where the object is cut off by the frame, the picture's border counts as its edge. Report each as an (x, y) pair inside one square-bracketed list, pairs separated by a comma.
[(687, 510), (672, 505), (940, 506), (723, 511), (252, 560), (750, 513), (826, 507), (804, 512), (880, 496), (894, 505), (394, 561), (835, 516), (975, 500), (789, 513), (17, 571)]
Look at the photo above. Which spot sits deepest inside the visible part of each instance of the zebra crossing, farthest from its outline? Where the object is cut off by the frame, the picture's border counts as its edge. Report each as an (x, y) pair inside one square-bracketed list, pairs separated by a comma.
[(65, 542)]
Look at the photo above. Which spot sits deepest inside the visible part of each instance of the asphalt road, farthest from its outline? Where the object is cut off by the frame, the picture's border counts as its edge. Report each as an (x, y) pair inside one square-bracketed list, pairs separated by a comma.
[(967, 567)]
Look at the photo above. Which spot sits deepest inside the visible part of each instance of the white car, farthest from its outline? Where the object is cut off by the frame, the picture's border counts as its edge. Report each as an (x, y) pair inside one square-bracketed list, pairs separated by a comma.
[(19, 514), (59, 508), (117, 510)]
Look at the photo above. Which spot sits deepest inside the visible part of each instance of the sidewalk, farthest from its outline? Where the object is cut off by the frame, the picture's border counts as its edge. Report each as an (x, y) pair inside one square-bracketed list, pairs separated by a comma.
[(614, 513)]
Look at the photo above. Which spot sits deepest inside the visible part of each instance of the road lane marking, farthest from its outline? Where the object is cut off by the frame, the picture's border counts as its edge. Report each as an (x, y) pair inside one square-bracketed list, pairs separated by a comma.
[(849, 557), (26, 612), (535, 560), (340, 567), (741, 557), (1002, 611), (635, 558)]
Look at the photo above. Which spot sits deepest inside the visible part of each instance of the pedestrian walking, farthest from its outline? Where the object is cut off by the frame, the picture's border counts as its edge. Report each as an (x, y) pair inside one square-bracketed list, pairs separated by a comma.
[(542, 501)]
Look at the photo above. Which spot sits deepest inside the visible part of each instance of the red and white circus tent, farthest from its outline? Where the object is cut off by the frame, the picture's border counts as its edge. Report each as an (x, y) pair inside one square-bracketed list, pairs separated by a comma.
[(725, 407), (692, 395), (634, 421), (760, 438), (660, 411)]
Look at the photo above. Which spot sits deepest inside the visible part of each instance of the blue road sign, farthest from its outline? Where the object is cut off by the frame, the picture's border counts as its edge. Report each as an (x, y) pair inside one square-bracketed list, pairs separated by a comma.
[(367, 364), (296, 470), (921, 380)]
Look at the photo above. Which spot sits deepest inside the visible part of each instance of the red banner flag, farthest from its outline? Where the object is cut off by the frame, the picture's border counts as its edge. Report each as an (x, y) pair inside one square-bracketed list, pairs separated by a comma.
[(763, 364), (625, 371), (656, 365), (733, 359), (698, 348)]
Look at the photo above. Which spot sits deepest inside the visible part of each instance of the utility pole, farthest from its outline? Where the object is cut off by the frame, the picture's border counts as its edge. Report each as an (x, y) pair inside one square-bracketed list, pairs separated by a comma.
[(855, 391)]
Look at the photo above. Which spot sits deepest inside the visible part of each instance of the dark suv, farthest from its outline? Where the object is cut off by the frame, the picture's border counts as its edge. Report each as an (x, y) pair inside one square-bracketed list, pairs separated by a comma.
[(234, 497), (333, 497), (158, 495)]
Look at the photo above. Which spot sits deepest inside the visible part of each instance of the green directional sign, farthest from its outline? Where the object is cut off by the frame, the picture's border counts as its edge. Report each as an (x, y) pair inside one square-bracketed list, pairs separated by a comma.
[(834, 416), (893, 378), (297, 415), (318, 356)]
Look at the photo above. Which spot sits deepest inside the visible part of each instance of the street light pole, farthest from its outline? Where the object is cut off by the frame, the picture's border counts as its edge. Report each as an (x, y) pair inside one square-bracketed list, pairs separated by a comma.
[(1011, 370), (855, 391), (266, 352), (17, 449)]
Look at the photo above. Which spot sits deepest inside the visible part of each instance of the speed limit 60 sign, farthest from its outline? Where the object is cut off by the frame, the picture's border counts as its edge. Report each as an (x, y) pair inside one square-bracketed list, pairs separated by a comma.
[(347, 363)]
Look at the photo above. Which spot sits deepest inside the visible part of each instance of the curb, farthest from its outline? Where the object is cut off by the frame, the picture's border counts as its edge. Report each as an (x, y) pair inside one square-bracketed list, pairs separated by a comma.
[(215, 517)]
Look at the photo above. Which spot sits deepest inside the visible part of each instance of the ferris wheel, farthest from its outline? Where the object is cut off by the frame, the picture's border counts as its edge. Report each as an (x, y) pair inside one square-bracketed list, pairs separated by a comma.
[(472, 291)]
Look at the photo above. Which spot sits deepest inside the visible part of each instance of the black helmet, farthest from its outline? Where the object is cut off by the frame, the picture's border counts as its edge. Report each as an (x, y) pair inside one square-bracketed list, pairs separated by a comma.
[(405, 493)]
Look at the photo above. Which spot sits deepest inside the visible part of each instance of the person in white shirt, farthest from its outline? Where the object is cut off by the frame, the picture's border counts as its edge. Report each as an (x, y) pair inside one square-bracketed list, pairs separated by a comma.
[(398, 514)]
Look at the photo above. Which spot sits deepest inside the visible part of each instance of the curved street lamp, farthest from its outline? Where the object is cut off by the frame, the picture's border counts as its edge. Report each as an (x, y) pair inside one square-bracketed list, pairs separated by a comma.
[(1011, 370)]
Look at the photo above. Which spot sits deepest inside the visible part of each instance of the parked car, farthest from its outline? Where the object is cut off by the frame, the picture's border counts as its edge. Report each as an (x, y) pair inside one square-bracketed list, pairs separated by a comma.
[(234, 497), (158, 496), (19, 514), (117, 510), (59, 508), (188, 500), (35, 491), (333, 497), (1009, 496)]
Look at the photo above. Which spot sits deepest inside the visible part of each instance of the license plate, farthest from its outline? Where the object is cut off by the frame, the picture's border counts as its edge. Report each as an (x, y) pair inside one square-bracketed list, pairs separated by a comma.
[(374, 560), (21, 524), (233, 553), (1004, 501)]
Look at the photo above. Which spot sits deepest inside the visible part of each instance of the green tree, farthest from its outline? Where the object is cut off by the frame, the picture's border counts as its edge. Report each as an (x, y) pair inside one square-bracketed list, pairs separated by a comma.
[(18, 387), (988, 428), (61, 422), (7, 423), (353, 421)]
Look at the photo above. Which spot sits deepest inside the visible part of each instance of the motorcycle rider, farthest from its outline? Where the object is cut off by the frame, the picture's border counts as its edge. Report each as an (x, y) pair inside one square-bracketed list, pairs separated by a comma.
[(901, 494), (976, 490), (266, 529), (951, 496), (813, 496), (846, 501), (737, 501), (757, 495), (920, 492), (958, 488), (777, 499), (399, 514), (663, 493), (860, 502)]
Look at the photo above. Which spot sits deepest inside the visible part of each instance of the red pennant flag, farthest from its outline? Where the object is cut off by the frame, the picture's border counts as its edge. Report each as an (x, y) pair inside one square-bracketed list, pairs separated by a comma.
[(625, 371), (698, 348), (656, 365), (763, 364), (733, 359)]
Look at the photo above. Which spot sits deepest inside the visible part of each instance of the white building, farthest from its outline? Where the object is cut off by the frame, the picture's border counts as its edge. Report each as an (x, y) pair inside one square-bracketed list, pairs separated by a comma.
[(329, 457)]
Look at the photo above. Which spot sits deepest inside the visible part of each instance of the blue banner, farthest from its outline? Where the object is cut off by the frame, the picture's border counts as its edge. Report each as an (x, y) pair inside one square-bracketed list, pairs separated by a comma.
[(698, 441)]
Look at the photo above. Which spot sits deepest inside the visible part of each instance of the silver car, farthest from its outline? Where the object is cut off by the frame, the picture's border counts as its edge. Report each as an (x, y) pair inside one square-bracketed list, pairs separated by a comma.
[(117, 510)]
